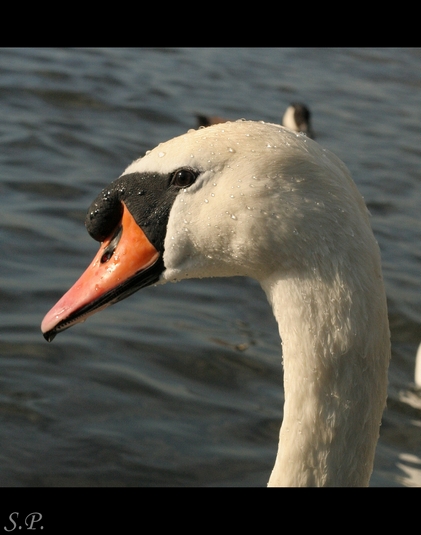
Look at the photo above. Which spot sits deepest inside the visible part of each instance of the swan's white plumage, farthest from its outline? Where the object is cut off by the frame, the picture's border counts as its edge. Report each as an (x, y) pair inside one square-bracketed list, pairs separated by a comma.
[(275, 206)]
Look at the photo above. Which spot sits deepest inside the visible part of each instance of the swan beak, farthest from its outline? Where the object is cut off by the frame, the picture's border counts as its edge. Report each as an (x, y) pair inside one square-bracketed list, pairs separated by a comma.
[(126, 261)]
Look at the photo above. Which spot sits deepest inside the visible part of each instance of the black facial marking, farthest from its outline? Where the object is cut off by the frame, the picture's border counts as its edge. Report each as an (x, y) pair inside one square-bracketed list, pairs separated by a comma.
[(104, 215), (148, 197)]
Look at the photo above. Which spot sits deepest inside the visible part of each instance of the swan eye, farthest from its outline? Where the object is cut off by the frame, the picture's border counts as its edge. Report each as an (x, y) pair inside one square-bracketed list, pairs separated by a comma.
[(183, 178)]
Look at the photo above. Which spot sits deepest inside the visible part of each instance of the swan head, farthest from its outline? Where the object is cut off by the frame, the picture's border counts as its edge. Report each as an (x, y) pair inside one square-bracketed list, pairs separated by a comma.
[(258, 200), (239, 198)]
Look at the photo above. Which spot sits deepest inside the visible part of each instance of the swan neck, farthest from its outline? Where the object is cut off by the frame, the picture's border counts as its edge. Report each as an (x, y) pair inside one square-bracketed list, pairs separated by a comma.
[(335, 381)]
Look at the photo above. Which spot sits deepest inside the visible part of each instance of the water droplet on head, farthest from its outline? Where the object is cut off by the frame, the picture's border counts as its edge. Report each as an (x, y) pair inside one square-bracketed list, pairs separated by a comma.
[(161, 154)]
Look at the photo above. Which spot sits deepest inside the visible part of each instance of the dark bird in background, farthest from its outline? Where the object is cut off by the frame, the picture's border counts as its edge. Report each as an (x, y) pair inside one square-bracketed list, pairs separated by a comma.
[(297, 117)]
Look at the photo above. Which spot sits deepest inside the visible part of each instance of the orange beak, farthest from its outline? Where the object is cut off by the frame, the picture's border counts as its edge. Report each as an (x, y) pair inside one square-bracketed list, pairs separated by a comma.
[(126, 261)]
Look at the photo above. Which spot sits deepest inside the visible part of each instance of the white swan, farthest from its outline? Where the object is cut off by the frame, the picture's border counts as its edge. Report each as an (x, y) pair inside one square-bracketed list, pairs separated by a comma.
[(297, 117), (255, 199)]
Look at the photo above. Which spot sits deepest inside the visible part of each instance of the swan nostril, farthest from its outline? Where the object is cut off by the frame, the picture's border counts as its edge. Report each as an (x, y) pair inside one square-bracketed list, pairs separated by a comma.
[(106, 256), (111, 247)]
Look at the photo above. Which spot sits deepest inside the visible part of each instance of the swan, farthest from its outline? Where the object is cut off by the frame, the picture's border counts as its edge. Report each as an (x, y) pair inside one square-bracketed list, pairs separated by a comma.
[(297, 117), (257, 200)]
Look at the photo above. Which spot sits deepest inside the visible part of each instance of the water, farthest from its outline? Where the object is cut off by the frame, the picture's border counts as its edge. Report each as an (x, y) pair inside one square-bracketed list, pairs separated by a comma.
[(181, 385)]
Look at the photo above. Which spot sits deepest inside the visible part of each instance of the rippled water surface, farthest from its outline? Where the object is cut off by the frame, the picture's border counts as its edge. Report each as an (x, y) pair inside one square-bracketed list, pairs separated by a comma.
[(181, 385)]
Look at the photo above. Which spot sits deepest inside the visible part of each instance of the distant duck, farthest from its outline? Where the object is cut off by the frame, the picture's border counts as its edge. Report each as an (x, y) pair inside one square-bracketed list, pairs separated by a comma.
[(297, 117)]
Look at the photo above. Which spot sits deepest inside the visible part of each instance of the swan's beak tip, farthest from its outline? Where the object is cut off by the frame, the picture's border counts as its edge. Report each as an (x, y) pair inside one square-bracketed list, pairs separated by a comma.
[(49, 336), (47, 332), (48, 324)]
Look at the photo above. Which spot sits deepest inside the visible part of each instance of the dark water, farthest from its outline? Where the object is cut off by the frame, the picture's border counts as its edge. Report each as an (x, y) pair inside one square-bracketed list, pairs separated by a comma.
[(181, 385)]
